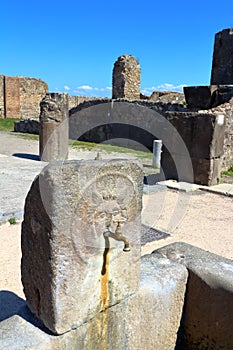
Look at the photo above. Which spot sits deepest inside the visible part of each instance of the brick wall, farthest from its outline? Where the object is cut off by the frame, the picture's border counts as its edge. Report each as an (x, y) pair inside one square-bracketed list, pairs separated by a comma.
[(2, 109), (12, 98), (20, 97)]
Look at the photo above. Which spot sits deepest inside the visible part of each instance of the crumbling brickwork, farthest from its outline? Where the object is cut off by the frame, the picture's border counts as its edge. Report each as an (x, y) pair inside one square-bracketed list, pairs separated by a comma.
[(76, 100), (32, 91), (20, 97), (126, 78)]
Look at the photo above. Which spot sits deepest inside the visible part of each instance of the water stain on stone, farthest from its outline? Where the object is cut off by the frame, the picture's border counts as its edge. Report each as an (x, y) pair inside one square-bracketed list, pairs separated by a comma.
[(105, 277)]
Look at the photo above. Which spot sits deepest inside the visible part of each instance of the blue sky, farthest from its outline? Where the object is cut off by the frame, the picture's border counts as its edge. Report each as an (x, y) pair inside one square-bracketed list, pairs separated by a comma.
[(73, 44)]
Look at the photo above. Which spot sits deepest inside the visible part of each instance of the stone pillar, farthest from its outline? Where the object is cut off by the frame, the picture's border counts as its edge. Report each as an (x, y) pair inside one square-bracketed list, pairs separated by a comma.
[(222, 66), (81, 240), (157, 149), (126, 78), (54, 127)]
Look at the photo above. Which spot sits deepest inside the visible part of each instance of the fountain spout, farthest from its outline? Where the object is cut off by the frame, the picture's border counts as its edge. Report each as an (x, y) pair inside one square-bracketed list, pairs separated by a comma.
[(117, 235)]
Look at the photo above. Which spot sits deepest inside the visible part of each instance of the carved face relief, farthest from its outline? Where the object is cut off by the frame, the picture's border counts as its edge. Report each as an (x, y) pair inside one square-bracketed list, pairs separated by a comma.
[(107, 215), (50, 110), (104, 202)]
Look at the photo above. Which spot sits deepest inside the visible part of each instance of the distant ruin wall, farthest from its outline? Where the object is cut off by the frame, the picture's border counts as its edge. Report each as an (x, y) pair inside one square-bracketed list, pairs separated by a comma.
[(227, 110), (12, 97), (126, 78), (160, 107), (222, 66), (20, 97), (76, 100), (2, 108), (31, 92)]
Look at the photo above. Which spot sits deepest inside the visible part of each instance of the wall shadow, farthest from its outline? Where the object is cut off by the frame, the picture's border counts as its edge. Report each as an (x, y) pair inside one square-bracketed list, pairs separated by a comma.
[(26, 156), (12, 304)]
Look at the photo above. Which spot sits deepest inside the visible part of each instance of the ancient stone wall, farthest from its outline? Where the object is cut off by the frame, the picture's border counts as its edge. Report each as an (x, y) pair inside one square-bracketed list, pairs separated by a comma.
[(210, 164), (227, 110), (12, 97), (222, 67), (31, 92), (161, 107), (76, 100), (203, 136), (20, 96), (126, 78), (2, 108)]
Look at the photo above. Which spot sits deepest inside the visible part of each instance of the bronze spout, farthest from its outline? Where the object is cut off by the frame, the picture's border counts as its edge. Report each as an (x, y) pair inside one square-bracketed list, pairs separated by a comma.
[(118, 236)]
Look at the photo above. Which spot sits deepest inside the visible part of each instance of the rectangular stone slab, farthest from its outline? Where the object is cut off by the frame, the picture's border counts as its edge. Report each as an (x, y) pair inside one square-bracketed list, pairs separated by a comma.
[(208, 309), (149, 319), (70, 272)]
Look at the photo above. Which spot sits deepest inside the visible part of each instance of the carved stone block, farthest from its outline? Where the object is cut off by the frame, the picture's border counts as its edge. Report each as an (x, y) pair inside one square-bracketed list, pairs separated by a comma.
[(54, 127), (79, 217)]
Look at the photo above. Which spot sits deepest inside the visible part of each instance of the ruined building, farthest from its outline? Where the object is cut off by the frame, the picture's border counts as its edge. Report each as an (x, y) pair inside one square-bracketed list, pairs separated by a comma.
[(222, 68), (126, 78), (20, 96)]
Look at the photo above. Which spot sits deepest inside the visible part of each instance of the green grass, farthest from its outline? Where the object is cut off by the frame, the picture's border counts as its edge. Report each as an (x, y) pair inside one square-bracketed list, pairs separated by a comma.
[(143, 156), (12, 221), (7, 124), (27, 136), (228, 172), (102, 147)]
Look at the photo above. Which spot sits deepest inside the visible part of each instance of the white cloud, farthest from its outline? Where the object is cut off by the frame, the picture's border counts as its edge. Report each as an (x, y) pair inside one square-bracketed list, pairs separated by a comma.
[(87, 90), (163, 87), (58, 90), (85, 87)]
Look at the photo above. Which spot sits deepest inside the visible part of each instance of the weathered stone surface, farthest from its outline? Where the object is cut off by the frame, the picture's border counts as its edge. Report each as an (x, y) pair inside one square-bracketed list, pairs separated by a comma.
[(148, 319), (222, 65), (31, 126), (2, 103), (204, 171), (54, 127), (167, 97), (122, 121), (227, 110), (17, 334), (69, 272), (207, 319), (206, 97), (223, 94), (199, 96), (203, 134), (20, 96), (126, 78), (11, 97), (31, 91)]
